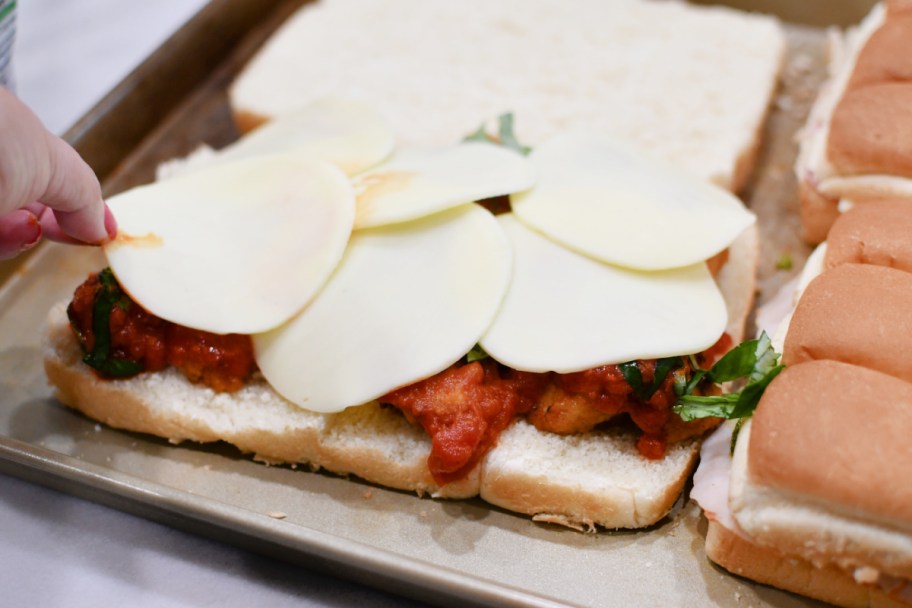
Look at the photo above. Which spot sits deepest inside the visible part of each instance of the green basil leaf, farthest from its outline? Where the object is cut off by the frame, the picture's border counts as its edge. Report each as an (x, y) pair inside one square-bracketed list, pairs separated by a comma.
[(694, 381), (750, 395), (109, 296), (479, 135), (767, 358), (507, 137), (663, 368), (631, 373), (476, 354), (633, 376), (735, 432), (737, 363), (692, 407), (755, 360)]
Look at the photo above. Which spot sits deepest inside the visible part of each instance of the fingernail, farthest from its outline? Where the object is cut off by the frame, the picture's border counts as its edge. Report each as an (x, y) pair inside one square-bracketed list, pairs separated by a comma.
[(110, 223), (31, 233)]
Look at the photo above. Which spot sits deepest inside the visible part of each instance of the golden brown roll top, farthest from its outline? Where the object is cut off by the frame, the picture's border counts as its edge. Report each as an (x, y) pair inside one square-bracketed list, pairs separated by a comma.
[(855, 313), (871, 130), (838, 433), (878, 233), (856, 144), (886, 55), (871, 127)]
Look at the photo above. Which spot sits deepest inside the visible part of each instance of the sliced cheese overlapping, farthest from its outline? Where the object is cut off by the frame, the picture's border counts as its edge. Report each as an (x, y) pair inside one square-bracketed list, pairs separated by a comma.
[(239, 247), (414, 183), (566, 312), (346, 133), (607, 200), (407, 301)]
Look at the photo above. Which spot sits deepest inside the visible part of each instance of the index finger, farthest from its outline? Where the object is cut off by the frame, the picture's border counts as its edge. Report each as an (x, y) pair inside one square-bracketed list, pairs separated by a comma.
[(73, 192), (36, 165)]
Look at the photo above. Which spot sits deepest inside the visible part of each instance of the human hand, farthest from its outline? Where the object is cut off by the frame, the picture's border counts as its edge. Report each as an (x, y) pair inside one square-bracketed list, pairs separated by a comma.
[(46, 189)]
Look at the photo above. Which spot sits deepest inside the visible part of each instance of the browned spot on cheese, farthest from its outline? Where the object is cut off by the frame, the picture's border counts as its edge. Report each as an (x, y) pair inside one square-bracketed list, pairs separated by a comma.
[(149, 239), (370, 187)]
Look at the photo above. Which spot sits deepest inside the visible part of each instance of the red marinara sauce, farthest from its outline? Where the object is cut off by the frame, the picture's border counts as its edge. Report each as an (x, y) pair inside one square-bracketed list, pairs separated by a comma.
[(221, 362), (464, 409)]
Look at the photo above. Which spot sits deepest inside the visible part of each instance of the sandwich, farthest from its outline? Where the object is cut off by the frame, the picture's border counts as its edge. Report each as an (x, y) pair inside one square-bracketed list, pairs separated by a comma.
[(812, 498), (429, 344), (855, 146), (567, 464)]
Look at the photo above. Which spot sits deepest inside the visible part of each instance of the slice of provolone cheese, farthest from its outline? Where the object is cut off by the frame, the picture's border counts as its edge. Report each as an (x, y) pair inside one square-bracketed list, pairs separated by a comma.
[(238, 247), (609, 201), (566, 312), (407, 301), (346, 133), (414, 183)]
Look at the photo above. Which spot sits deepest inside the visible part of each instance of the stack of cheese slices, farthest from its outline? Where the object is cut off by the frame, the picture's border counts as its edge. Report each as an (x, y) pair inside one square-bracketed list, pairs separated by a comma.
[(352, 287), (817, 498), (360, 269), (856, 145)]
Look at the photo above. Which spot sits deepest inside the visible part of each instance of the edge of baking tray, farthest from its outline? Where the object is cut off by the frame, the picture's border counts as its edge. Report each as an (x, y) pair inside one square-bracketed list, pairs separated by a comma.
[(256, 532)]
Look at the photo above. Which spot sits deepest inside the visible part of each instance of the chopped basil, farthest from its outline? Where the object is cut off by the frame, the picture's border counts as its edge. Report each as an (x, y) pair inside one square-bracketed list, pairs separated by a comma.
[(479, 135), (505, 136), (633, 376), (755, 361), (476, 354), (109, 296), (784, 262)]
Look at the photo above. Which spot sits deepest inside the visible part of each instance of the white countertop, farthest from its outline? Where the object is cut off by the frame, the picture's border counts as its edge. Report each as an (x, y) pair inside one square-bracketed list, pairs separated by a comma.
[(57, 550)]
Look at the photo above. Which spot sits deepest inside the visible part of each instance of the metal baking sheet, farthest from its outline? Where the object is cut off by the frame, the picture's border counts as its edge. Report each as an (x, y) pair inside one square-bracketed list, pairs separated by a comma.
[(443, 552)]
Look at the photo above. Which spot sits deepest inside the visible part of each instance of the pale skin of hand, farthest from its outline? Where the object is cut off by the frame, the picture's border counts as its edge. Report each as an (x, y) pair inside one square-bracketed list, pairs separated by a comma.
[(46, 189)]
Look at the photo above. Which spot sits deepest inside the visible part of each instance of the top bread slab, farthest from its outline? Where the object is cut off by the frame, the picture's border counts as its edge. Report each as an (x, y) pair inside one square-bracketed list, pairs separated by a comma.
[(688, 84)]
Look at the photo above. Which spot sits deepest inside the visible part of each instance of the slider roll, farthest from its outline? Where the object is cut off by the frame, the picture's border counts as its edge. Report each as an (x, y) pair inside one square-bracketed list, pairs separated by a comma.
[(837, 435), (857, 314), (873, 233)]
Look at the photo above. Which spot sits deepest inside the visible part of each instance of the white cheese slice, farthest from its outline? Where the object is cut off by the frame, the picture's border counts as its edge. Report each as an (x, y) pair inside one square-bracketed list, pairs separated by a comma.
[(346, 133), (414, 183), (406, 302), (566, 312), (604, 199), (235, 248)]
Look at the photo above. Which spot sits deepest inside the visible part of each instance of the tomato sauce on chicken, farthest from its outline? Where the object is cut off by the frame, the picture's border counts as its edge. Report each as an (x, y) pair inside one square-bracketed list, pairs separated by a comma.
[(221, 362), (463, 408)]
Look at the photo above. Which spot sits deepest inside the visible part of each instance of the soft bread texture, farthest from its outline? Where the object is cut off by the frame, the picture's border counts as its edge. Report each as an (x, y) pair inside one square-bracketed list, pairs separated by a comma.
[(370, 441), (740, 556), (434, 69), (873, 233), (858, 314), (826, 484), (855, 146), (584, 480), (378, 445)]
